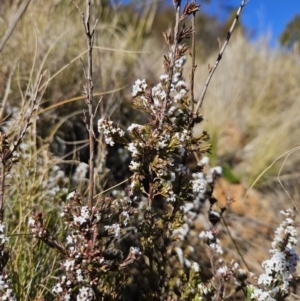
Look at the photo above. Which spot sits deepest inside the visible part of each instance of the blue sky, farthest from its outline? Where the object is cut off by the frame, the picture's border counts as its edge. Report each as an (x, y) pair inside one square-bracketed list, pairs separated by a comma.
[(260, 16)]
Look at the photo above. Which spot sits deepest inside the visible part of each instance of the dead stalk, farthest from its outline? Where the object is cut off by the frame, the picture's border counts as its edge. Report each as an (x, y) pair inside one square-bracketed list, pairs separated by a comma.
[(220, 55), (89, 96), (194, 66)]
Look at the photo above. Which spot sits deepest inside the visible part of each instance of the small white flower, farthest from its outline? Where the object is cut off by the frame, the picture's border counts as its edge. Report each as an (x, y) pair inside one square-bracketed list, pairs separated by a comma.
[(134, 165), (2, 226), (121, 133), (85, 212), (196, 267), (67, 297), (31, 222), (69, 264), (79, 219), (109, 140), (79, 276), (57, 289), (139, 87), (204, 161), (125, 218), (134, 126), (71, 195), (132, 148), (164, 77), (69, 239)]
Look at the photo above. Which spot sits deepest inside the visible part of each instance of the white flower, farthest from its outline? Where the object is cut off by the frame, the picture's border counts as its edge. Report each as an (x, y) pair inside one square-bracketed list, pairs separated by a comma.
[(134, 165), (69, 264), (79, 276), (67, 297), (134, 126), (115, 229), (85, 293), (217, 170), (109, 140), (85, 212), (180, 84), (125, 218), (57, 289), (204, 160), (132, 148), (135, 251), (139, 87), (164, 77), (199, 184), (71, 195), (196, 267), (79, 219), (69, 239), (31, 222)]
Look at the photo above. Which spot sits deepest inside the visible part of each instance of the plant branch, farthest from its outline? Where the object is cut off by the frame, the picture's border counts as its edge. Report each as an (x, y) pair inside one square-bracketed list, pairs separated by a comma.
[(193, 54), (89, 96), (220, 55), (172, 48)]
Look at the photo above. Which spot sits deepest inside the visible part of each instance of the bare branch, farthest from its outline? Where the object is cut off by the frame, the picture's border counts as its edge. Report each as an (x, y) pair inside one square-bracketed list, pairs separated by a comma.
[(193, 54), (88, 92), (220, 55)]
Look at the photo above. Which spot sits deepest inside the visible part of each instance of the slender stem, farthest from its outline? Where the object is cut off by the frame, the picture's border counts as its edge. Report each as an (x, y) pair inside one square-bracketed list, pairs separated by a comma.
[(173, 49), (89, 99), (2, 184), (220, 55), (193, 61)]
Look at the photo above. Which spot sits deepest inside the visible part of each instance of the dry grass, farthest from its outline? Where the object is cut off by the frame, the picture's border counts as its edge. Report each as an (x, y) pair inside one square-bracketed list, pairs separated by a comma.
[(255, 96)]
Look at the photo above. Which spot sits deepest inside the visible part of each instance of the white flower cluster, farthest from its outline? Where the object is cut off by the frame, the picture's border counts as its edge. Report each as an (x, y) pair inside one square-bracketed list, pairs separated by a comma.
[(80, 270), (139, 87), (6, 292), (202, 180), (109, 131), (212, 241), (113, 229), (281, 266)]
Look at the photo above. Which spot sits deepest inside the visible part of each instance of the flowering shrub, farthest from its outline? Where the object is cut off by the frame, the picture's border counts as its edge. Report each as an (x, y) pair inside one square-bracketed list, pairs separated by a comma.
[(129, 245)]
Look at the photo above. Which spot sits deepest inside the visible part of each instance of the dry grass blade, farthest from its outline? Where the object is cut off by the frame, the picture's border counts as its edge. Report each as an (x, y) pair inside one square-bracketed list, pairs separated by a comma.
[(12, 26)]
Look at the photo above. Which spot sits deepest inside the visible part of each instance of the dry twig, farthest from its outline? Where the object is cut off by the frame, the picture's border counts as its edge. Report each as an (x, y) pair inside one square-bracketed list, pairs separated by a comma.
[(88, 91), (220, 55)]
